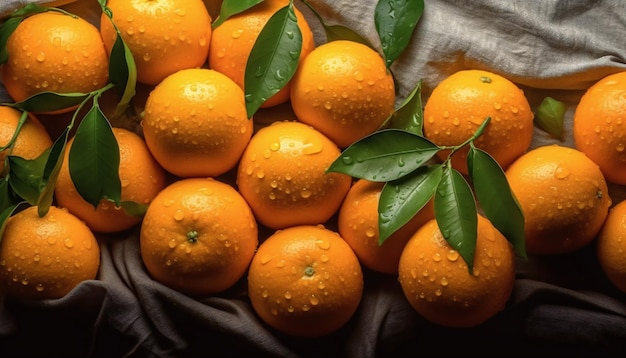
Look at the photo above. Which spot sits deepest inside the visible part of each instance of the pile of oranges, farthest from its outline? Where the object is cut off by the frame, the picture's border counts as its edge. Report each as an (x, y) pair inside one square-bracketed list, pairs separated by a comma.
[(231, 197)]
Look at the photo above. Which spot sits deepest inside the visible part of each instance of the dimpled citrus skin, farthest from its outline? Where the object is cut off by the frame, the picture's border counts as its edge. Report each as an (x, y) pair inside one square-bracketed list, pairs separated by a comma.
[(54, 52), (164, 36), (195, 123), (563, 195), (611, 246), (46, 257), (198, 236), (232, 42), (599, 128), (460, 103), (437, 283), (343, 89), (282, 175), (305, 281)]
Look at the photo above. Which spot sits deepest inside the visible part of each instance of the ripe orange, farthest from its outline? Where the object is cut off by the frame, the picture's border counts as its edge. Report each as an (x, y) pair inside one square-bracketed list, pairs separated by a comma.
[(164, 36), (46, 257), (232, 42), (305, 281), (459, 104), (198, 236), (611, 246), (51, 51), (563, 196), (436, 281), (282, 175), (32, 140), (343, 89), (195, 123), (141, 176), (599, 129), (358, 225)]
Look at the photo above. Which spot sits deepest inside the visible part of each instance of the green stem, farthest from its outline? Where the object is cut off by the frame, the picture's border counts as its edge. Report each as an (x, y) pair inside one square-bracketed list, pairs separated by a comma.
[(470, 140)]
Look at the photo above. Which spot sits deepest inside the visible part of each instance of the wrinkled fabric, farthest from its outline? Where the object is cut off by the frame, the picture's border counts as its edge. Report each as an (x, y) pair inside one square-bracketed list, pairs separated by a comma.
[(561, 305)]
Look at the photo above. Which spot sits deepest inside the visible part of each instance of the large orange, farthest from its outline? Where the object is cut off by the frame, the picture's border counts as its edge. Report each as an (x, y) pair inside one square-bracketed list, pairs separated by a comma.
[(611, 246), (46, 257), (142, 178), (232, 42), (305, 281), (282, 174), (459, 104), (55, 52), (358, 225), (198, 236), (164, 36), (563, 195), (195, 123), (599, 128), (343, 89), (437, 283), (32, 140)]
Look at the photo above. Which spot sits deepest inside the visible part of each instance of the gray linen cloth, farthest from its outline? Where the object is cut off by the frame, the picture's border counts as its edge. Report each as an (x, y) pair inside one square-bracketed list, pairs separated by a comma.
[(560, 304)]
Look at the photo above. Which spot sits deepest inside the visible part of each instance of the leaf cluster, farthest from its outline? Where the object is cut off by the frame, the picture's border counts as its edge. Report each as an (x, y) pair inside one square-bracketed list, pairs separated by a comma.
[(93, 160)]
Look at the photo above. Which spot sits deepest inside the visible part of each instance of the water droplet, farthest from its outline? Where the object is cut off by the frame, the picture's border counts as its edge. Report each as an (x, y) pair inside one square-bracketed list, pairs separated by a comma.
[(347, 160), (39, 287), (146, 57), (438, 292), (68, 243), (41, 57), (314, 300), (452, 255), (179, 215), (306, 308), (288, 295), (322, 244), (444, 281), (619, 147), (305, 193), (437, 257), (561, 172)]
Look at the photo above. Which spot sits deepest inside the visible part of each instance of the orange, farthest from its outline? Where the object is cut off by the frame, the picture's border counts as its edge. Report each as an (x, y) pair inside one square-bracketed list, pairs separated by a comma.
[(282, 175), (611, 246), (46, 257), (164, 36), (32, 140), (198, 236), (195, 123), (598, 126), (51, 51), (563, 195), (459, 104), (437, 283), (358, 225), (343, 89), (305, 281), (232, 42), (142, 178)]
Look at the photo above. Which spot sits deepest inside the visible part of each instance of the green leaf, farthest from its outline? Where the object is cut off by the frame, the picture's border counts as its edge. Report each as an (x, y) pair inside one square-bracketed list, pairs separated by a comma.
[(385, 155), (410, 115), (7, 197), (133, 208), (496, 198), (401, 199), (25, 176), (456, 214), (51, 173), (49, 101), (337, 32), (5, 214), (233, 7), (395, 21), (273, 59), (550, 116), (94, 159)]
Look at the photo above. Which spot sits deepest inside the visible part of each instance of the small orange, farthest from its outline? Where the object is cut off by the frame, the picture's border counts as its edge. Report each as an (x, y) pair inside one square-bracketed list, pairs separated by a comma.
[(195, 123), (437, 283), (198, 236), (611, 246), (142, 178), (563, 195), (343, 89), (358, 225), (282, 174), (599, 128), (460, 103), (305, 281), (32, 140), (52, 51), (46, 257), (164, 36), (232, 42)]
